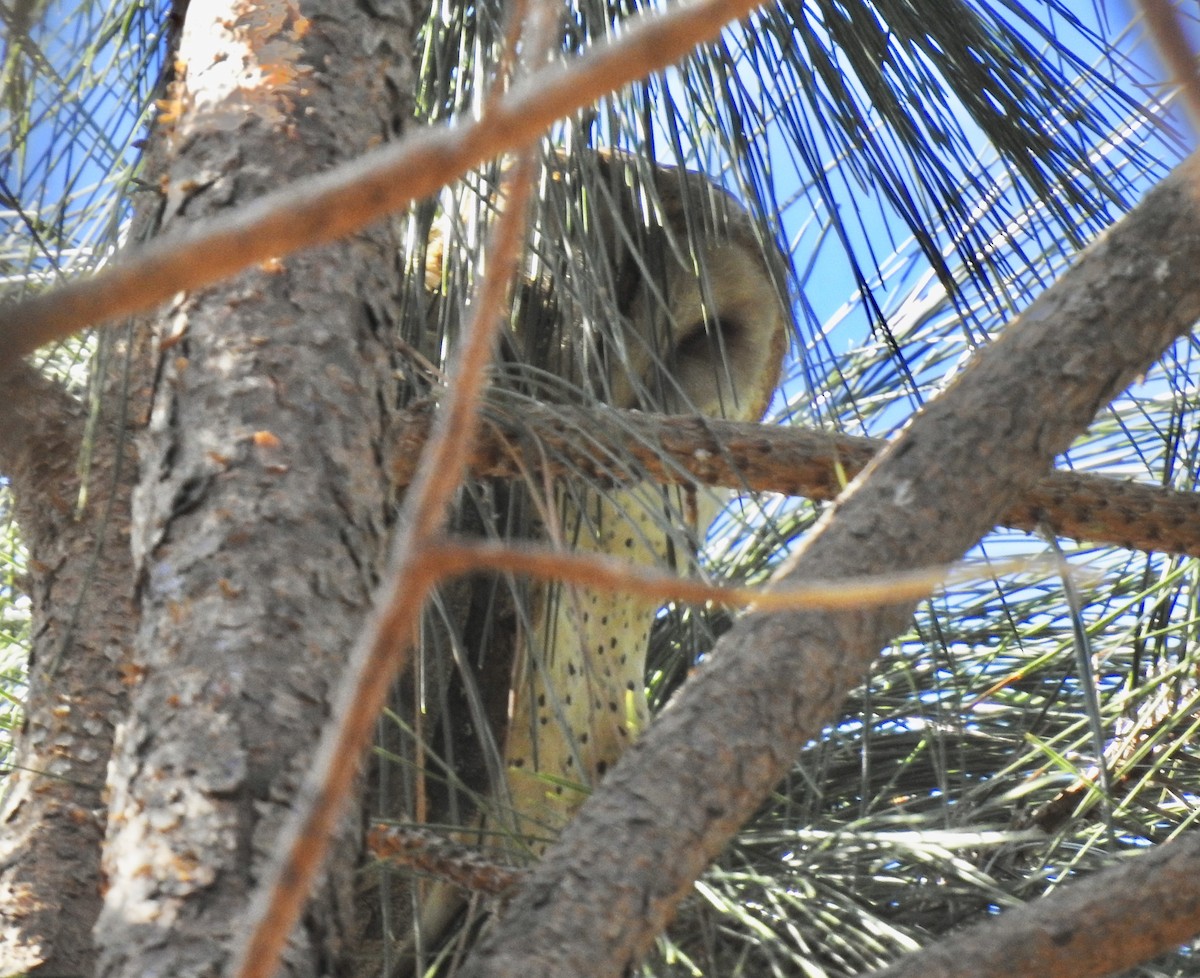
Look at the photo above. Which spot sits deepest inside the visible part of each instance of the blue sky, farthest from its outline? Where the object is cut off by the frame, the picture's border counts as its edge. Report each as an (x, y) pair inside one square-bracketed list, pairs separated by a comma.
[(833, 317)]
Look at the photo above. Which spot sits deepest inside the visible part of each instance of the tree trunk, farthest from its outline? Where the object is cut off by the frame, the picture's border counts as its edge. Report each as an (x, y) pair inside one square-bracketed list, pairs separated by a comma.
[(83, 621), (263, 502)]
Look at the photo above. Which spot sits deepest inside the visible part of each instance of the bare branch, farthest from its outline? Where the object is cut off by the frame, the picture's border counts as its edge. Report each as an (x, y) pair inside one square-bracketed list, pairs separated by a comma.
[(1099, 925), (629, 446), (433, 854), (81, 589), (40, 439), (616, 875), (349, 197)]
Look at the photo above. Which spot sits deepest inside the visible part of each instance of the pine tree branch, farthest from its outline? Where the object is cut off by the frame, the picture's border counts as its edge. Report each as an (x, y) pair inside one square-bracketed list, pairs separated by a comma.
[(435, 855), (628, 446), (39, 441), (1099, 925), (382, 647)]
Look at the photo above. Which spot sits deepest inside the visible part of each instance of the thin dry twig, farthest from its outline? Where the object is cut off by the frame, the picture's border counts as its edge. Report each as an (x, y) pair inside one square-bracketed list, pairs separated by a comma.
[(349, 197), (448, 556)]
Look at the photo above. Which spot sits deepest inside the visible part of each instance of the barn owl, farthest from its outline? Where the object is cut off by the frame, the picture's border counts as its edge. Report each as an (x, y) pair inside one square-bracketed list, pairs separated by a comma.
[(645, 288), (700, 327)]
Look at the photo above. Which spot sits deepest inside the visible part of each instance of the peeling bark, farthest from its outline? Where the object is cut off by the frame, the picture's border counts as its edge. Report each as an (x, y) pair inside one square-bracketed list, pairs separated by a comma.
[(613, 880)]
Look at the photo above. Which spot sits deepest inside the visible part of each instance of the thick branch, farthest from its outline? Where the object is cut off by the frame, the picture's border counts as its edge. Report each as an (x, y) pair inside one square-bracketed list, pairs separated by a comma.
[(259, 522), (773, 681), (1100, 925), (626, 446), (382, 647)]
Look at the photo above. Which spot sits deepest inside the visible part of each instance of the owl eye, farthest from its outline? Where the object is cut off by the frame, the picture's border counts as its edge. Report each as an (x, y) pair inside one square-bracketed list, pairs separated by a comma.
[(704, 338)]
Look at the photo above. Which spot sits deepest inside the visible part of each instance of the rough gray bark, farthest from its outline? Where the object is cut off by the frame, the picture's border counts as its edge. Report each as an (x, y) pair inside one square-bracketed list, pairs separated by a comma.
[(619, 870), (81, 585), (263, 502)]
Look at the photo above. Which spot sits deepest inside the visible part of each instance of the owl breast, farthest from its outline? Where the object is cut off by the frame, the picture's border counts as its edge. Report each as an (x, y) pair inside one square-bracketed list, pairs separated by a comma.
[(688, 318)]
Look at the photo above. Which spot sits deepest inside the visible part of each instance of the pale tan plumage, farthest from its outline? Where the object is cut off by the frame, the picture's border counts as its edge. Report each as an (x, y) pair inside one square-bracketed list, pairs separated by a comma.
[(703, 331)]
